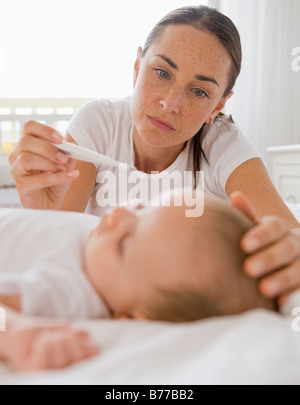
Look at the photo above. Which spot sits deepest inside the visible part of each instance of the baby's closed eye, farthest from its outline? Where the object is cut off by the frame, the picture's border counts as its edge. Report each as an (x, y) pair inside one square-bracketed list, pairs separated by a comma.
[(123, 243)]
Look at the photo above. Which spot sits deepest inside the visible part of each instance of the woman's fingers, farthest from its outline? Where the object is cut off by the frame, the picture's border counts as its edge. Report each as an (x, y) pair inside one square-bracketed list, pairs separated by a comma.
[(32, 145), (42, 131), (279, 254), (29, 163), (282, 282), (275, 257), (243, 204), (45, 180), (269, 230), (42, 173)]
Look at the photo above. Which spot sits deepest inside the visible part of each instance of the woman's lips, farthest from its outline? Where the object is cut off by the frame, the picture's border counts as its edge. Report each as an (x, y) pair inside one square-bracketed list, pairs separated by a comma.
[(160, 124)]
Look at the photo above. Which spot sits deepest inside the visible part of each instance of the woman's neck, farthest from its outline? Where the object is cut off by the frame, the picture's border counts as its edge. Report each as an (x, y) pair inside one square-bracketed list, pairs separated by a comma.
[(153, 159)]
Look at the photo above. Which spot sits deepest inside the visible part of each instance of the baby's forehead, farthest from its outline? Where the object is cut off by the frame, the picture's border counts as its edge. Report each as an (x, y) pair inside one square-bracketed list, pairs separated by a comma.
[(178, 205), (173, 220)]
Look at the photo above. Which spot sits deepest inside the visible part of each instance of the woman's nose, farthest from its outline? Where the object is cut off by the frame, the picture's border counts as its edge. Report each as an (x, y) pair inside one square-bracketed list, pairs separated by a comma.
[(171, 101)]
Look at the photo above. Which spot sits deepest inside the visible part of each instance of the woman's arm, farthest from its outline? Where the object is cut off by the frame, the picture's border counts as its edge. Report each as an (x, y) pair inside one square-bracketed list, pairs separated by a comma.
[(252, 179), (80, 190), (11, 301)]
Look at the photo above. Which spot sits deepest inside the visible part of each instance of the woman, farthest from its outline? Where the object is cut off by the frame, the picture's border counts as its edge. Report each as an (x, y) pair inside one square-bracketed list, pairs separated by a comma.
[(182, 79)]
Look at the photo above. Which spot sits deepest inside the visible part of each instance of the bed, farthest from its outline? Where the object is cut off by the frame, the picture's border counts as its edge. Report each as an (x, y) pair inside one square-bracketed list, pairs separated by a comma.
[(257, 347)]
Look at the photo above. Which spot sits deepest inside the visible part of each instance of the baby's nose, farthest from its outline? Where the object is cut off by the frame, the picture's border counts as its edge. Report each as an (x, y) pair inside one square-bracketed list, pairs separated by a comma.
[(118, 216)]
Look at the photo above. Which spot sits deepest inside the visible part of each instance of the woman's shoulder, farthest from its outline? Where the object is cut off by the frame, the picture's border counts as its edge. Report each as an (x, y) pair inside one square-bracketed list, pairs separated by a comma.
[(225, 148), (224, 124), (224, 140), (222, 131)]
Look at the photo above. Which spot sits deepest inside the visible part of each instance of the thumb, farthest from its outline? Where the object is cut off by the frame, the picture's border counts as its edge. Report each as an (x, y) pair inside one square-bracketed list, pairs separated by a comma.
[(242, 203)]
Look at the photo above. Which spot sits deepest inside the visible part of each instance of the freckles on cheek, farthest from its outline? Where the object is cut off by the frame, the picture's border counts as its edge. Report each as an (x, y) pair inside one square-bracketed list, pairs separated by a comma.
[(144, 102), (193, 120), (146, 92), (146, 85)]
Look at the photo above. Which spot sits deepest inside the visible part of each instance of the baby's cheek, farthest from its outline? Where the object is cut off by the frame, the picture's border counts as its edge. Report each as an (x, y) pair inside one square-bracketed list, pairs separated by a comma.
[(91, 260)]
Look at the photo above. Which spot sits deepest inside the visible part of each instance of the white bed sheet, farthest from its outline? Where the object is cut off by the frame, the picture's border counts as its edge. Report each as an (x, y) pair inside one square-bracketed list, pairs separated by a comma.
[(258, 347)]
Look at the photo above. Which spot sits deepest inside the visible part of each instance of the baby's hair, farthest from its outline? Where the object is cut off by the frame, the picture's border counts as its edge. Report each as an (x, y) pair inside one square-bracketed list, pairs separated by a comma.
[(215, 248)]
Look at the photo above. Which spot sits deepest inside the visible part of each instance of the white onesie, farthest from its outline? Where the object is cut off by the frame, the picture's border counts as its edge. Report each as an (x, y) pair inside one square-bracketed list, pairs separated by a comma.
[(41, 260)]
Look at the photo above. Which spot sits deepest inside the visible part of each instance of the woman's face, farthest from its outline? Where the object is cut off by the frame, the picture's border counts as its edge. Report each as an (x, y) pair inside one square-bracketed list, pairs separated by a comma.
[(179, 85)]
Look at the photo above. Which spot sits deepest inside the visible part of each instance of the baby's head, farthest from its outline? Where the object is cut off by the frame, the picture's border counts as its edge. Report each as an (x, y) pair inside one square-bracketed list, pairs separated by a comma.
[(157, 263)]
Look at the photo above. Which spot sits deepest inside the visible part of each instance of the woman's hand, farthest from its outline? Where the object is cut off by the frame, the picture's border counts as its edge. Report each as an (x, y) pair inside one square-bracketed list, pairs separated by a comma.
[(41, 172), (274, 252)]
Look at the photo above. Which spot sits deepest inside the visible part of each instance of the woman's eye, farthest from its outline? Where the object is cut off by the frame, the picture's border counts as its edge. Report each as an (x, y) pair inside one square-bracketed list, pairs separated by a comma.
[(162, 73), (200, 93)]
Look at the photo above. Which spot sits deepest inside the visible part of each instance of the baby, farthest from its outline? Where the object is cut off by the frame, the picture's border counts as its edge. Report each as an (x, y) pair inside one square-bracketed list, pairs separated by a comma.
[(31, 343), (150, 263)]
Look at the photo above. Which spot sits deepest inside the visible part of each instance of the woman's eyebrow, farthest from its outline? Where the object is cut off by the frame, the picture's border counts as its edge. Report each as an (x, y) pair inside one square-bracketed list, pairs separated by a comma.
[(206, 79), (198, 77), (171, 63)]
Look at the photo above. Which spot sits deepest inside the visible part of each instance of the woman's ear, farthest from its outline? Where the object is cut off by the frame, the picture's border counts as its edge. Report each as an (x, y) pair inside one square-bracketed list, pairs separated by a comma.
[(218, 109), (137, 65)]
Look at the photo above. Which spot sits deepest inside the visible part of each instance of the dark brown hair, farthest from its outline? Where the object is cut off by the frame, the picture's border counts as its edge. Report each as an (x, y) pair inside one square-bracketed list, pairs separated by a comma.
[(211, 20)]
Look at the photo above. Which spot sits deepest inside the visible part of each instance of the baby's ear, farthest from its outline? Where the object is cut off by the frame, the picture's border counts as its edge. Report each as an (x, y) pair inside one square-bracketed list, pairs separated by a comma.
[(134, 315), (120, 316), (139, 315)]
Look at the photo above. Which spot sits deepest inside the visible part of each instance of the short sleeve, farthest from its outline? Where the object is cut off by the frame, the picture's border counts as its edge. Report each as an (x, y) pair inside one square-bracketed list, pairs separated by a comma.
[(225, 149), (90, 126), (104, 125)]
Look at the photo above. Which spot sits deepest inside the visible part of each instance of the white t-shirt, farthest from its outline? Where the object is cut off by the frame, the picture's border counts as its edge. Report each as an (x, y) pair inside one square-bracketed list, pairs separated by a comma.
[(41, 261), (106, 126)]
